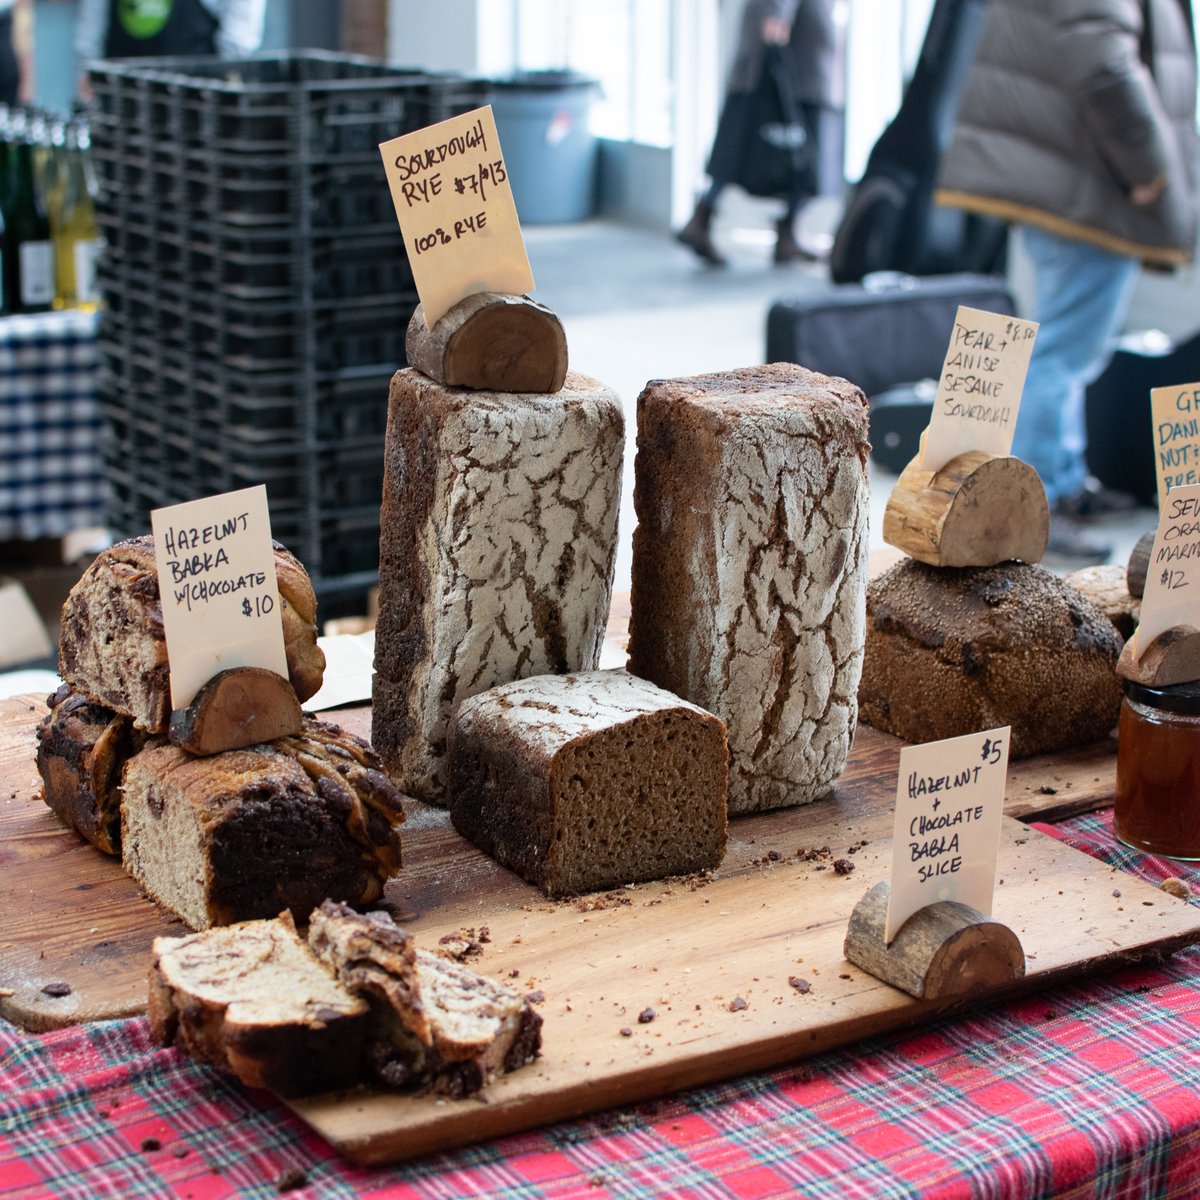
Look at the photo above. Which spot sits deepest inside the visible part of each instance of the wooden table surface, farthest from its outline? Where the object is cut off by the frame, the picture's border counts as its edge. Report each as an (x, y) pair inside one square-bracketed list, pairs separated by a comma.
[(711, 959)]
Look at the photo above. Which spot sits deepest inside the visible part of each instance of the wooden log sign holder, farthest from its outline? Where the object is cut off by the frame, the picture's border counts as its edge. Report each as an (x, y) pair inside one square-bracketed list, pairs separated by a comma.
[(1172, 657), (977, 510), (240, 707), (943, 950), (491, 342)]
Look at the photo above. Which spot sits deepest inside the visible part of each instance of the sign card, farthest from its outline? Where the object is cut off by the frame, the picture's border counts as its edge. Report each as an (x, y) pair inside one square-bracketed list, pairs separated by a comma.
[(220, 596), (1176, 414), (456, 210), (980, 386), (949, 801), (1172, 595)]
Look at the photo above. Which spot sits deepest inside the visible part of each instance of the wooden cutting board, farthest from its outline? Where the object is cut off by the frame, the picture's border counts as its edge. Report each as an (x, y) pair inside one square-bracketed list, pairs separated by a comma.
[(708, 963)]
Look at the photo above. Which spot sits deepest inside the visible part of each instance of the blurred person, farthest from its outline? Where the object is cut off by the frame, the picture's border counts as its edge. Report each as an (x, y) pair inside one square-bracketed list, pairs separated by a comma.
[(15, 83), (156, 28), (806, 30), (1077, 126)]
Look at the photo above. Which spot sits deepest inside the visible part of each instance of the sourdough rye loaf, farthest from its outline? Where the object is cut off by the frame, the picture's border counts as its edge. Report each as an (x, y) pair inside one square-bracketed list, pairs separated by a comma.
[(253, 1000), (952, 651), (497, 544), (588, 781), (436, 1024), (113, 649), (249, 833), (82, 749), (749, 567)]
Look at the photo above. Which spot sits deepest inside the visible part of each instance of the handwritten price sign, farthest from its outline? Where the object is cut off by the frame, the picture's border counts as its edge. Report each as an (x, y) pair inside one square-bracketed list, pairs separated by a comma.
[(454, 202), (949, 802), (979, 390), (220, 596), (1176, 415), (1172, 597)]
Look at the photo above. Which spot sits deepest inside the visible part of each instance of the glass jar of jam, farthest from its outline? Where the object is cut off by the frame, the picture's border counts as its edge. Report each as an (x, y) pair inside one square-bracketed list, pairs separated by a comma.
[(1157, 803)]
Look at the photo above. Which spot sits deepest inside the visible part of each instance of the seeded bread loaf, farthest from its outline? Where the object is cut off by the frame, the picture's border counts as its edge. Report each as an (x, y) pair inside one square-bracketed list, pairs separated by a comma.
[(749, 567), (589, 781), (497, 545), (436, 1024), (81, 750), (252, 999), (113, 650), (951, 651), (249, 833)]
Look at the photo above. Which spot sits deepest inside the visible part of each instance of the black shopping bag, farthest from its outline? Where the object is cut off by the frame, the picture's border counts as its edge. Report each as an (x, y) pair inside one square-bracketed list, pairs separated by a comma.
[(763, 142)]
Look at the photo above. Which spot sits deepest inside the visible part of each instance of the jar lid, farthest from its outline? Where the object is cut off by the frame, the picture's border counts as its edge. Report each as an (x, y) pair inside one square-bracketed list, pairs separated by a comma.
[(1177, 697)]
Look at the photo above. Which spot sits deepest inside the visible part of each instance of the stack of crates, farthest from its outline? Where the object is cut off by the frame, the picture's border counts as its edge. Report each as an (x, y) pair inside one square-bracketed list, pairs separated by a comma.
[(255, 288)]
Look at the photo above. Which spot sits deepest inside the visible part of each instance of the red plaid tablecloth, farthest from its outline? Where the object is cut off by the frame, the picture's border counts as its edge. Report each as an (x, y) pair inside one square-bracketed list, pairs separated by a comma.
[(1086, 1090)]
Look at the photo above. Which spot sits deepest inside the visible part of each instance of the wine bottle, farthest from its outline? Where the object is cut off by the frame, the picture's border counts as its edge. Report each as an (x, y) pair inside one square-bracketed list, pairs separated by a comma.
[(28, 249), (73, 225)]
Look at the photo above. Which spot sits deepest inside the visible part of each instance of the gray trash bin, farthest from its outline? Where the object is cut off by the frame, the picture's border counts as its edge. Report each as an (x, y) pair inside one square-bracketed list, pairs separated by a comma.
[(542, 119)]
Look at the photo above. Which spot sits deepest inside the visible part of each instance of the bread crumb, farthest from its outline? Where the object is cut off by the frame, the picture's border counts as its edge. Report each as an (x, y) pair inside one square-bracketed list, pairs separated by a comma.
[(646, 1016), (150, 1144), (626, 1031), (1175, 887), (801, 985), (56, 988), (738, 1004), (292, 1178)]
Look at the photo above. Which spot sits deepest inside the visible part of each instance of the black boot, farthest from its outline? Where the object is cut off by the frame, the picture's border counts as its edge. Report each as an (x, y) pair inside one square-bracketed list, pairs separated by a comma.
[(696, 236), (787, 249)]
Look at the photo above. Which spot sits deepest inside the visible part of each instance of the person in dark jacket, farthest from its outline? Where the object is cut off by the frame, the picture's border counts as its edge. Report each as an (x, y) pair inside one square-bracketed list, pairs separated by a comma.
[(1077, 125), (807, 29)]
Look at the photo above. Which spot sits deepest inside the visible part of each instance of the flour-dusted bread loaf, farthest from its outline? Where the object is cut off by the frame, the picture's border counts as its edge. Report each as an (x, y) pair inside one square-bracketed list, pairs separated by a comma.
[(749, 567), (953, 651), (249, 833), (81, 750), (113, 650), (497, 544), (253, 999), (1108, 587), (589, 781), (436, 1024)]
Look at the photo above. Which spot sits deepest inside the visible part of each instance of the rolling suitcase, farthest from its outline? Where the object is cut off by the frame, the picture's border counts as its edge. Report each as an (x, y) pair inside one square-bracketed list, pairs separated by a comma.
[(888, 335)]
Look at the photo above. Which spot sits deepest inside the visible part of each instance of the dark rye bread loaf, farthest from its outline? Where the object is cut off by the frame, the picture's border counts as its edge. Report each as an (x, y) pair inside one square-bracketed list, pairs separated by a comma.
[(252, 999), (249, 833), (749, 567), (952, 651), (81, 750), (113, 649), (589, 781), (497, 544), (436, 1024)]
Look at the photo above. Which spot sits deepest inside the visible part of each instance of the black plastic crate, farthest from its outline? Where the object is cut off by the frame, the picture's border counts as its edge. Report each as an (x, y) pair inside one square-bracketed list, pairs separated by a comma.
[(317, 105)]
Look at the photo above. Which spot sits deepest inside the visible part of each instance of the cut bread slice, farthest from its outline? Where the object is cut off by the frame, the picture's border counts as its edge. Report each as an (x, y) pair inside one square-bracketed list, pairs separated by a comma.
[(437, 1025), (254, 1000)]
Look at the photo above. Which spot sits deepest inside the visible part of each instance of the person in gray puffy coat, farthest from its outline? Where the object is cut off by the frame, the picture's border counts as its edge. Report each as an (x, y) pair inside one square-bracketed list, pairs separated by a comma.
[(1077, 125)]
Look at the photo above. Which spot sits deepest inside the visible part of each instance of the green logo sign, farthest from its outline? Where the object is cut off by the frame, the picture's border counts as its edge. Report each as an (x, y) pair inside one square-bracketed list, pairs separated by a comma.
[(143, 18)]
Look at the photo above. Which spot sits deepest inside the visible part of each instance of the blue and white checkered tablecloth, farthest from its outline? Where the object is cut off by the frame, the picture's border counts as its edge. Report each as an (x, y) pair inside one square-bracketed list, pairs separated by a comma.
[(51, 465)]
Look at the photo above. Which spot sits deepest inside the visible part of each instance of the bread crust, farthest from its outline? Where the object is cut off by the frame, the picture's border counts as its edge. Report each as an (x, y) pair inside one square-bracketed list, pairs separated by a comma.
[(82, 749), (749, 567), (251, 999), (497, 546), (951, 651), (436, 1024), (113, 649), (249, 833), (588, 781)]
